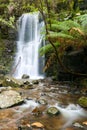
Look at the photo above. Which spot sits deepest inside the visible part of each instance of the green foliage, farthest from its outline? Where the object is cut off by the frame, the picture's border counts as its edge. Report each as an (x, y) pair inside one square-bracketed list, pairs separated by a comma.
[(64, 26), (55, 35), (9, 23), (82, 19), (48, 48)]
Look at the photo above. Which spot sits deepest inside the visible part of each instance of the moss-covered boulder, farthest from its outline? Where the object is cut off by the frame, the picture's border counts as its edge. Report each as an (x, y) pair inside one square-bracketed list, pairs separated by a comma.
[(82, 101), (10, 81)]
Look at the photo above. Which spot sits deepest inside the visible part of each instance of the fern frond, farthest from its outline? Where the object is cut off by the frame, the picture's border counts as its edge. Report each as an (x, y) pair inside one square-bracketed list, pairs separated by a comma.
[(78, 30), (55, 35), (82, 19), (48, 48), (64, 26)]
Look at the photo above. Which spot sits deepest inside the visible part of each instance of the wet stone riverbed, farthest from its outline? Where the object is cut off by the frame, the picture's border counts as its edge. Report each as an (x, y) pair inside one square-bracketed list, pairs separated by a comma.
[(32, 113)]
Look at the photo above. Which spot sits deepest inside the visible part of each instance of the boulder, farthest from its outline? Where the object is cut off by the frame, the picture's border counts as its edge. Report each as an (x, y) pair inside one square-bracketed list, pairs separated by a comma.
[(25, 76), (42, 101), (53, 111), (9, 98), (82, 101), (10, 81), (35, 81)]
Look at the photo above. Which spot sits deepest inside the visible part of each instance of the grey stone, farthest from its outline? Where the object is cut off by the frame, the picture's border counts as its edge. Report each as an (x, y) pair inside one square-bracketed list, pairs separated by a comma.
[(9, 98)]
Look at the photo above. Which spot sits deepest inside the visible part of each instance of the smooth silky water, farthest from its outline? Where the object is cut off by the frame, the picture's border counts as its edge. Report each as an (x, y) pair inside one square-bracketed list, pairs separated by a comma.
[(30, 38)]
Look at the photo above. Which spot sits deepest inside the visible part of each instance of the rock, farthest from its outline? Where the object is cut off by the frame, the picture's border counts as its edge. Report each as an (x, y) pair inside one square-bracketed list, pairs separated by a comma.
[(25, 76), (35, 81), (5, 89), (9, 98), (24, 127), (37, 125), (85, 123), (77, 125), (82, 101), (10, 81), (53, 111), (42, 101), (1, 82)]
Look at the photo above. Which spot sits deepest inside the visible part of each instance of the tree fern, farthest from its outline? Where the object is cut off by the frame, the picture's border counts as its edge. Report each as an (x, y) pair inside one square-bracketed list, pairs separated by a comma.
[(48, 48), (82, 19), (53, 35)]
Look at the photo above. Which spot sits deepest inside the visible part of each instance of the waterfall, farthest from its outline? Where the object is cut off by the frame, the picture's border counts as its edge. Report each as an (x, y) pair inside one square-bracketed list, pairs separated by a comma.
[(30, 39)]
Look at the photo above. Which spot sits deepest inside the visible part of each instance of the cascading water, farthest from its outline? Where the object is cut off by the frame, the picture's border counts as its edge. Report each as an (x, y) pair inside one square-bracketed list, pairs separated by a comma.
[(30, 39)]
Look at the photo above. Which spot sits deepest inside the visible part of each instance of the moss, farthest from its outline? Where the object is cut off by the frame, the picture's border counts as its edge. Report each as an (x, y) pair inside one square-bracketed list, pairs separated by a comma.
[(82, 101)]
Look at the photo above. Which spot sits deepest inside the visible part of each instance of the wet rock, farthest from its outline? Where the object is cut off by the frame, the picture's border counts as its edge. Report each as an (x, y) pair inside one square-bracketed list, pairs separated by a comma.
[(25, 76), (24, 127), (9, 98), (85, 123), (82, 101), (37, 125), (37, 111), (1, 82), (42, 101), (10, 81), (5, 89), (27, 85), (53, 111), (77, 125), (35, 81)]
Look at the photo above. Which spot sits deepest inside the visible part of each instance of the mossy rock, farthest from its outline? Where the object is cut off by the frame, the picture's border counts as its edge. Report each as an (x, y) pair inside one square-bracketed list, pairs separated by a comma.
[(42, 101), (53, 111), (10, 81), (82, 101)]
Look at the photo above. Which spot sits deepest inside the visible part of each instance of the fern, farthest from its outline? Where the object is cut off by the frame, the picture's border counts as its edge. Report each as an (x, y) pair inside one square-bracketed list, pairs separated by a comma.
[(82, 19), (56, 35), (65, 25), (48, 48)]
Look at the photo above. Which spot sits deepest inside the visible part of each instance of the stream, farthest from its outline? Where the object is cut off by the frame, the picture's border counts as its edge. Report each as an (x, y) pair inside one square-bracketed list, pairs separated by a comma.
[(38, 99)]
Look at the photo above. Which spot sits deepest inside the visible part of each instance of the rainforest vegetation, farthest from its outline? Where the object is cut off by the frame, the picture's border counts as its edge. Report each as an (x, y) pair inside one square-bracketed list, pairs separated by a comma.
[(65, 27)]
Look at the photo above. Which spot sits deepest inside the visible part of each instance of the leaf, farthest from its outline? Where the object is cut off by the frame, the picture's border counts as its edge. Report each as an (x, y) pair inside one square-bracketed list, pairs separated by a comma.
[(53, 35), (37, 125), (48, 48), (78, 30)]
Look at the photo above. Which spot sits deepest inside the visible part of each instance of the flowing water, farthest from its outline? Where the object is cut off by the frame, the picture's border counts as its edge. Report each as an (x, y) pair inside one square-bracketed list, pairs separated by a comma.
[(30, 39), (71, 116)]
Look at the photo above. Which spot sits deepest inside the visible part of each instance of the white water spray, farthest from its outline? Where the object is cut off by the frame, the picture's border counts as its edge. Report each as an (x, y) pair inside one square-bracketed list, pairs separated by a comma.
[(30, 39)]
